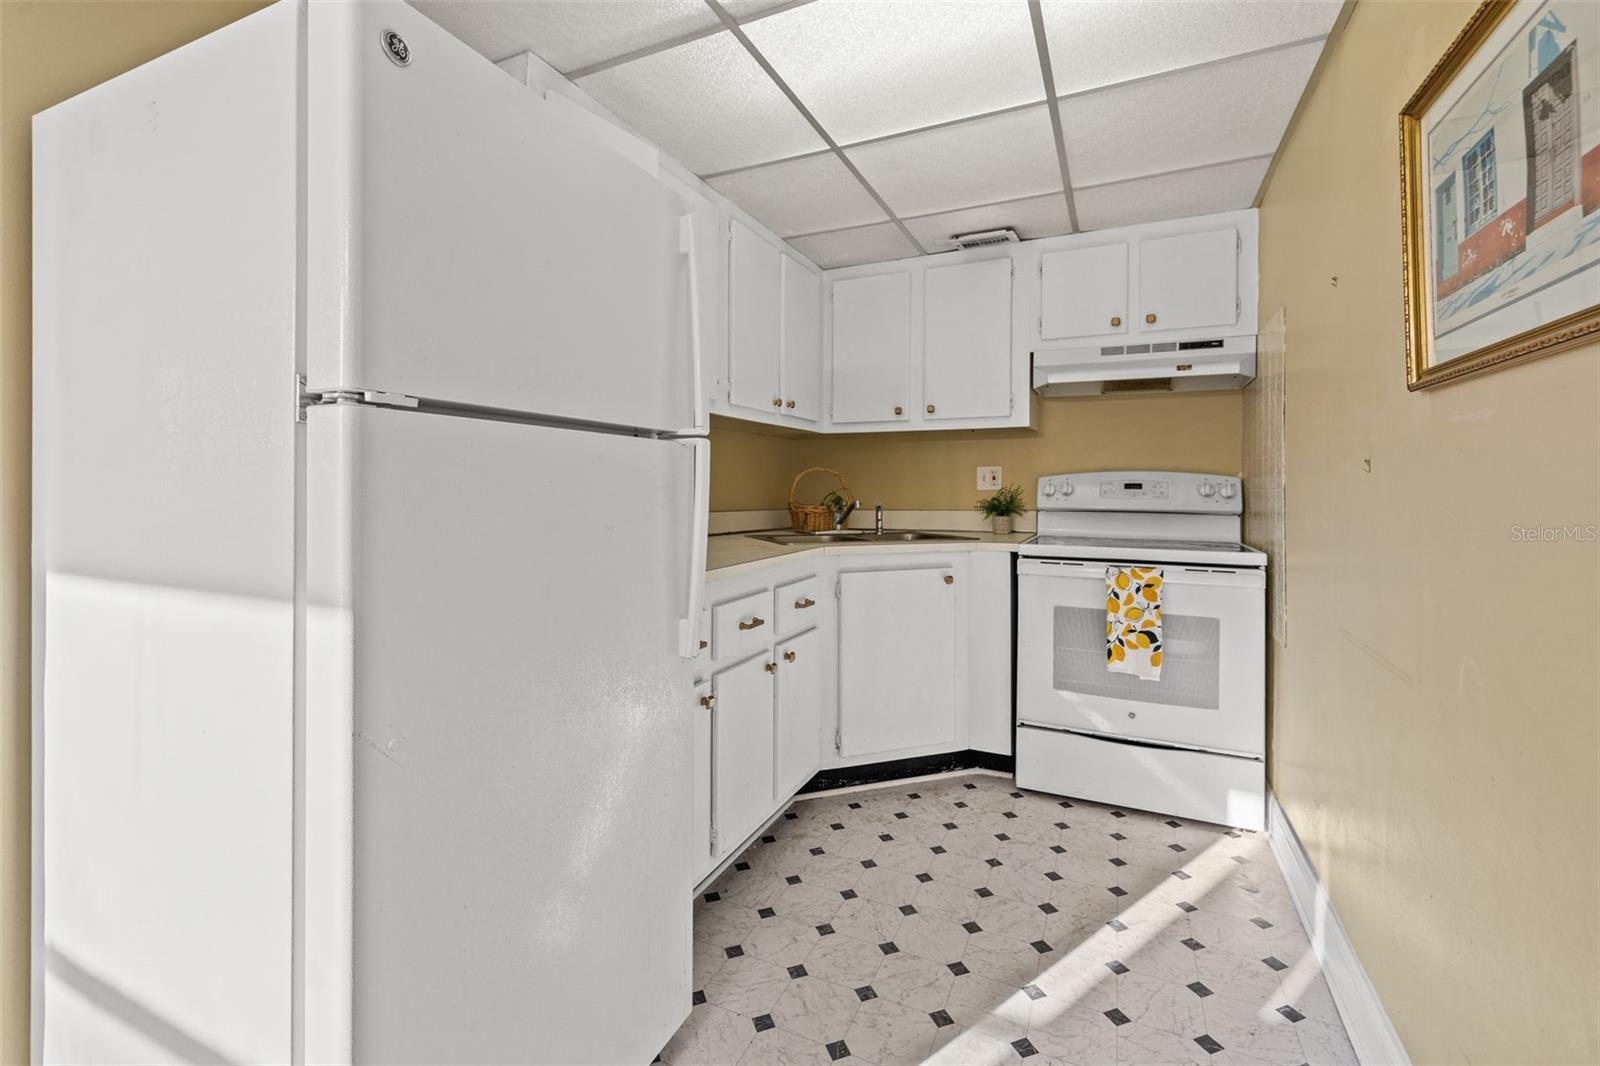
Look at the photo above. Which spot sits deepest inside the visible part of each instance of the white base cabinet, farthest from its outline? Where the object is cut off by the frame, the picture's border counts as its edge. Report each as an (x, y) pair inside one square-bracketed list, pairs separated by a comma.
[(741, 748), (797, 736), (897, 660)]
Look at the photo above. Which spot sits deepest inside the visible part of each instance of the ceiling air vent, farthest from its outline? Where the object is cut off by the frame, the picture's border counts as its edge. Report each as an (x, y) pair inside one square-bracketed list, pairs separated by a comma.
[(984, 239)]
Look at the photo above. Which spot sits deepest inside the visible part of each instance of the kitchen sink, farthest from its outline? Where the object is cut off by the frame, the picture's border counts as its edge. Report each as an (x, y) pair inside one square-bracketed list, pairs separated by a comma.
[(890, 536)]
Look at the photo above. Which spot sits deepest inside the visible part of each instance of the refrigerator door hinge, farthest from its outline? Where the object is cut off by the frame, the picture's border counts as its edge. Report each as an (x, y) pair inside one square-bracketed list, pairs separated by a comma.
[(713, 840), (305, 398), (838, 741)]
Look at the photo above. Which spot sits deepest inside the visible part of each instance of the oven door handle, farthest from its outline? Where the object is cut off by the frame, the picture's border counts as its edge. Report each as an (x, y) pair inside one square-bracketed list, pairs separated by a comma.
[(1249, 577)]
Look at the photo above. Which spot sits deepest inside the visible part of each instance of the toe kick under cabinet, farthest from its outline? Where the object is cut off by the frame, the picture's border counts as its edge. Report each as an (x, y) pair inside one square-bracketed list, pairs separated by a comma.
[(837, 659)]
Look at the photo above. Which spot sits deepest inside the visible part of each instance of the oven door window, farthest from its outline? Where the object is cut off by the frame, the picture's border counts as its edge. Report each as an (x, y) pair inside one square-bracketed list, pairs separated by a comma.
[(1189, 667)]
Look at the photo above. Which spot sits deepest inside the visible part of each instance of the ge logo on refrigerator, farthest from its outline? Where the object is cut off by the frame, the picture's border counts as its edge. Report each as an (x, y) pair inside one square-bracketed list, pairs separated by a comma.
[(395, 47)]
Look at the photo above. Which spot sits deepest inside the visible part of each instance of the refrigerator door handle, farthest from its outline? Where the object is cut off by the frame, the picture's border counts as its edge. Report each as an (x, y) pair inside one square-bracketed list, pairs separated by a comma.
[(689, 625), (689, 245)]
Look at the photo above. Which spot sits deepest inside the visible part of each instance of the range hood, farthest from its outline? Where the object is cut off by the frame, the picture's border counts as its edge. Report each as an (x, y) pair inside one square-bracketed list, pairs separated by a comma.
[(1162, 366)]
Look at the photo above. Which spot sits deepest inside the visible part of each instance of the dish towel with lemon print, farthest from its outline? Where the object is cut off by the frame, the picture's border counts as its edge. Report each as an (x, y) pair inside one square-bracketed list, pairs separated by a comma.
[(1133, 621)]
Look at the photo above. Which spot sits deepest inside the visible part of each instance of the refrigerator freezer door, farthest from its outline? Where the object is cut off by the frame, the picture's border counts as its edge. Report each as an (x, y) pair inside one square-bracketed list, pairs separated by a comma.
[(507, 597), (466, 244)]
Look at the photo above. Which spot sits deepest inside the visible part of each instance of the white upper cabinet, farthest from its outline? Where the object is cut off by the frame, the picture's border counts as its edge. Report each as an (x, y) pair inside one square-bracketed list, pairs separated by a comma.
[(1189, 280), (1083, 291), (755, 321), (966, 352), (802, 340), (871, 347)]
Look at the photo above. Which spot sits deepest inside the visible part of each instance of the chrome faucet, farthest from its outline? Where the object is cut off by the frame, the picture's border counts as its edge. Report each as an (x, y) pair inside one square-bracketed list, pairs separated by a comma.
[(877, 519), (842, 515)]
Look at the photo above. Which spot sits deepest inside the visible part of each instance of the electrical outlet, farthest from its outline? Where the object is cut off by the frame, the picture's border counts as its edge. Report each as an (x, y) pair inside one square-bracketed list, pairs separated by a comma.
[(988, 477)]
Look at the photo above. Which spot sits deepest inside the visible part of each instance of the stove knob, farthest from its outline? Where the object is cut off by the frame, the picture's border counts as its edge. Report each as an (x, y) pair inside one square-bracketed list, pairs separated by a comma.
[(1049, 489), (1207, 489), (1228, 491), (1066, 488)]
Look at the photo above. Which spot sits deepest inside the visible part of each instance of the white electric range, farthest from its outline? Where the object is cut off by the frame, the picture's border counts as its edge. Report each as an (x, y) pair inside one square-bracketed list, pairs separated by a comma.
[(1191, 744)]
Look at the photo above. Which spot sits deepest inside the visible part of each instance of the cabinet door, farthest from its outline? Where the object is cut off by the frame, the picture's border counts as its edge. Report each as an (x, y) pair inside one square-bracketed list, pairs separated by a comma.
[(1189, 280), (1083, 292), (802, 340), (967, 340), (897, 659), (741, 746), (755, 317), (871, 348), (799, 713), (703, 849)]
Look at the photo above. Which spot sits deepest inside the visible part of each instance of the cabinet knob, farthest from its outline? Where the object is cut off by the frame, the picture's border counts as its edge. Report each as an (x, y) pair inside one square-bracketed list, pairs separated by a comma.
[(788, 656), (772, 668), (802, 604), (789, 404), (1116, 320), (930, 408), (704, 644), (1150, 318), (899, 410), (949, 579), (754, 623), (708, 702), (777, 401)]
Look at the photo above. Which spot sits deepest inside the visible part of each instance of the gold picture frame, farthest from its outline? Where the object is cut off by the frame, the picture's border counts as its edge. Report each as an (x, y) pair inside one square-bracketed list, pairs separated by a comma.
[(1428, 208)]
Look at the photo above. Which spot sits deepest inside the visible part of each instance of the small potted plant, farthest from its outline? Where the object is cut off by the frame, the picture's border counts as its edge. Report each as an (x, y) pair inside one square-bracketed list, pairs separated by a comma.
[(1003, 507)]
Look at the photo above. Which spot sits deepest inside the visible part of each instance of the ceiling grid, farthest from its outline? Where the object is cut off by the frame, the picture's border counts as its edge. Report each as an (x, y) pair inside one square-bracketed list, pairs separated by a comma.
[(860, 130)]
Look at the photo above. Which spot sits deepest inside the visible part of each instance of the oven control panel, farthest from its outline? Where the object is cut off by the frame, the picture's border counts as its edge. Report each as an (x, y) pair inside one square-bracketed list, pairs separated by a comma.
[(1141, 490)]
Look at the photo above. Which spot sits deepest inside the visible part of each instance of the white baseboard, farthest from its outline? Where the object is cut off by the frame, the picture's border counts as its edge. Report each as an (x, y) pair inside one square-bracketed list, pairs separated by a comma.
[(1367, 1023)]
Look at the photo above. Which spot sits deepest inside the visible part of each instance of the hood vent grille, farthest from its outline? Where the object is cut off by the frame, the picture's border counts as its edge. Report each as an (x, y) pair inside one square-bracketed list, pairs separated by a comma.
[(1137, 385), (984, 239)]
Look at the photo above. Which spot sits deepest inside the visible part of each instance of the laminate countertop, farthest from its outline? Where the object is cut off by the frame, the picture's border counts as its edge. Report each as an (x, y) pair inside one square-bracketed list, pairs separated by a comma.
[(725, 551)]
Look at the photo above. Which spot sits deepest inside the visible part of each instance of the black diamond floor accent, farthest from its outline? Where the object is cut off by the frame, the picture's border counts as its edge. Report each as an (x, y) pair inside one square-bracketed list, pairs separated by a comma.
[(972, 927), (765, 912), (1117, 890), (1009, 814), (793, 879), (1001, 836), (847, 893), (958, 803), (1176, 847), (712, 897), (907, 909), (1051, 875), (1033, 991), (1116, 967), (1117, 1017), (1191, 943), (698, 998), (1261, 923), (1118, 836), (790, 816), (1240, 859), (913, 795), (818, 851), (866, 992), (796, 972), (951, 825), (1114, 861), (1208, 1043), (1024, 1047), (763, 1022), (836, 826), (1175, 825), (741, 866), (1041, 947), (888, 948), (867, 864), (1290, 1013), (824, 929), (901, 814), (1116, 924), (958, 968), (1186, 907), (733, 952), (924, 877), (969, 785), (1118, 814), (1016, 795), (1063, 803), (885, 837), (1063, 825), (1199, 989), (1048, 908), (855, 806), (937, 849), (770, 839), (1058, 849), (1275, 963), (838, 1050), (1180, 875), (993, 862), (942, 1018), (983, 893)]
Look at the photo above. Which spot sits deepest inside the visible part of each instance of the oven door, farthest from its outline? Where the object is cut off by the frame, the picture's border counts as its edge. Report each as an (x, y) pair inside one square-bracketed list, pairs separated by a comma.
[(1212, 687)]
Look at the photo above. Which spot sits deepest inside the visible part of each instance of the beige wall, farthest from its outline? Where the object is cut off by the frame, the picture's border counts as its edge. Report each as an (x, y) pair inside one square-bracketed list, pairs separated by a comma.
[(48, 52), (1434, 724), (938, 471)]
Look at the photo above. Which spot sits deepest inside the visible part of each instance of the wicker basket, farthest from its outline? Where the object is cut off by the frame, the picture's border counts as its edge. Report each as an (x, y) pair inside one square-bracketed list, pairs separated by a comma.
[(813, 517)]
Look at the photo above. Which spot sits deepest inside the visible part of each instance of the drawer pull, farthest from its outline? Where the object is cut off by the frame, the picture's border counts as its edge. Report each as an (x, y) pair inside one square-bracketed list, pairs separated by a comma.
[(804, 602), (1116, 320), (790, 403), (949, 579), (899, 410), (754, 623), (930, 408), (777, 402), (788, 656), (772, 668), (708, 702)]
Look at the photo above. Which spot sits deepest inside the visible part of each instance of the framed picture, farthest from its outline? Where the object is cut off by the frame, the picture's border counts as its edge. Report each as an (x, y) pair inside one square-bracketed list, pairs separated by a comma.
[(1500, 199)]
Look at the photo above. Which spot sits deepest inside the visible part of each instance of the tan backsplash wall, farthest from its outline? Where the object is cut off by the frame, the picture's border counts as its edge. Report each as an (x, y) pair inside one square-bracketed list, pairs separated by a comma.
[(938, 471), (1434, 723)]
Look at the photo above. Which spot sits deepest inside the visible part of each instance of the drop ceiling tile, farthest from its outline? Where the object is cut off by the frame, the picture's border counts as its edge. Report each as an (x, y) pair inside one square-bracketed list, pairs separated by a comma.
[(1036, 216), (1002, 157), (805, 195), (707, 104), (850, 247), (567, 34), (1227, 187), (1228, 111), (1095, 44), (866, 68)]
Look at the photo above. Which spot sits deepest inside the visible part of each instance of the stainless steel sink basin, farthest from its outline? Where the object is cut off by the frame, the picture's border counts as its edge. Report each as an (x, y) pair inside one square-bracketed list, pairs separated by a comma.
[(888, 536)]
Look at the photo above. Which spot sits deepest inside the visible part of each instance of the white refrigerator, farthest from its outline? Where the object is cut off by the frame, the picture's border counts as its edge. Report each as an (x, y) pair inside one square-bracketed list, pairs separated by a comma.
[(370, 502)]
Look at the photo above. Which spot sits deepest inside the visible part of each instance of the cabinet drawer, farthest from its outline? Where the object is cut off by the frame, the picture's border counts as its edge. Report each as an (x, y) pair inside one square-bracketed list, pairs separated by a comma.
[(740, 626), (796, 604)]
